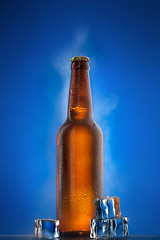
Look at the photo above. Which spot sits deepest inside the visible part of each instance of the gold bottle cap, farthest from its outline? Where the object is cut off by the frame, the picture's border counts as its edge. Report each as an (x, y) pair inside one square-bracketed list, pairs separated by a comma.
[(80, 58)]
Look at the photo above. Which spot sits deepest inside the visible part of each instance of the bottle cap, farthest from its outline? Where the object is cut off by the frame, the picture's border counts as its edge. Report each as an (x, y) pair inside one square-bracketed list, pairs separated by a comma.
[(80, 58)]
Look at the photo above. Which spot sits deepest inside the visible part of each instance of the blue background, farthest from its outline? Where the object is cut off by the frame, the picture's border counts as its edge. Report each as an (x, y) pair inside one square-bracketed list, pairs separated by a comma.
[(38, 38)]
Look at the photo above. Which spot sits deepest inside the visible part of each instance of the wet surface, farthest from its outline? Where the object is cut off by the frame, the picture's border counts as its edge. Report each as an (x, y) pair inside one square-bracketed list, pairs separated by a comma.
[(31, 237)]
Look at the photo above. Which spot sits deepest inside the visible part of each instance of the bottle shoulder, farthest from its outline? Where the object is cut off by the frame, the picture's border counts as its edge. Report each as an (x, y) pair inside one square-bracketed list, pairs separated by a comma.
[(72, 126)]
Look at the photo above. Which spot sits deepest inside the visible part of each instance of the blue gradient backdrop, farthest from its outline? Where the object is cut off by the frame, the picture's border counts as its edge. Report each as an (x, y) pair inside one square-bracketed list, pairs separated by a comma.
[(38, 38)]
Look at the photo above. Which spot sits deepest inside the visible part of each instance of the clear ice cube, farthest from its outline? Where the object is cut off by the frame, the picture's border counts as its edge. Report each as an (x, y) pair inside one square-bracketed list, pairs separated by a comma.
[(107, 207), (46, 228), (99, 228), (109, 228), (122, 227)]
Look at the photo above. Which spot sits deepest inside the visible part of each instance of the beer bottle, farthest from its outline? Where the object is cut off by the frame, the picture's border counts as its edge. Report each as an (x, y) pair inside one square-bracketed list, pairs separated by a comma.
[(79, 156)]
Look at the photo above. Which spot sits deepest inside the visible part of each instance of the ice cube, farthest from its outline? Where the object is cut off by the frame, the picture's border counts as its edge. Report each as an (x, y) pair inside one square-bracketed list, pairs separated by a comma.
[(112, 228), (109, 228), (99, 228), (122, 226), (93, 228), (46, 228), (107, 207)]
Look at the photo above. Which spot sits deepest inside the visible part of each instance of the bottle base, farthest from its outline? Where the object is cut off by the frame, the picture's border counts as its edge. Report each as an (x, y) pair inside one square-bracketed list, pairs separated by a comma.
[(73, 234)]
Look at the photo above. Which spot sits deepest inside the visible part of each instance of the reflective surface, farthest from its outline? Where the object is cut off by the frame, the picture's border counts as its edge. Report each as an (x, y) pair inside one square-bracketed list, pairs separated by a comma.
[(31, 237)]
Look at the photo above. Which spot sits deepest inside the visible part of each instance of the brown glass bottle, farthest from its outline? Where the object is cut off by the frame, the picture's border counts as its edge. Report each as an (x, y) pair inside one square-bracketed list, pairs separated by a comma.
[(79, 156)]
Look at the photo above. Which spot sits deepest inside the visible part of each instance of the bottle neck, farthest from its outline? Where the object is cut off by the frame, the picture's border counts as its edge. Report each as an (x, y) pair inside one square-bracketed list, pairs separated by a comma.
[(80, 100)]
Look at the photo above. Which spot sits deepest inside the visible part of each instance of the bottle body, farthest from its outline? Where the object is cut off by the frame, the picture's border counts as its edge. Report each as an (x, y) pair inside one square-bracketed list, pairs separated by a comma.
[(79, 159), (80, 174)]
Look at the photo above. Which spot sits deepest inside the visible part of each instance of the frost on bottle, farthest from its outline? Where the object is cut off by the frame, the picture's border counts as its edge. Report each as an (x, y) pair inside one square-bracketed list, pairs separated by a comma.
[(79, 156)]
